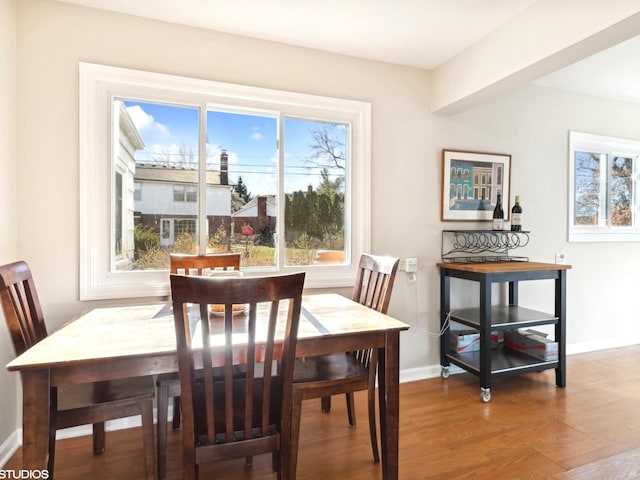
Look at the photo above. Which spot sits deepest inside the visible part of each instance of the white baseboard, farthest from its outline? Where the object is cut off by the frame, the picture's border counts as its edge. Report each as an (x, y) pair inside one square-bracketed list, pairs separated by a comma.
[(605, 344), (9, 446)]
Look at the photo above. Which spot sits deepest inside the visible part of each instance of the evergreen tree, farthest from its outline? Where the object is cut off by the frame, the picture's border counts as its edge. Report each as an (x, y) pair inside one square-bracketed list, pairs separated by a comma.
[(241, 189)]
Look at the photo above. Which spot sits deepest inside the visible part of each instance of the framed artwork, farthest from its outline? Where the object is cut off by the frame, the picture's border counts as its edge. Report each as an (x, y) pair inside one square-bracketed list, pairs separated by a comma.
[(471, 182)]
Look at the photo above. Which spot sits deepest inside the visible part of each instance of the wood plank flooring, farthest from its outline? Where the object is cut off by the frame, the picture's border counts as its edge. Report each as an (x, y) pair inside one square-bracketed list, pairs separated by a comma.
[(530, 430)]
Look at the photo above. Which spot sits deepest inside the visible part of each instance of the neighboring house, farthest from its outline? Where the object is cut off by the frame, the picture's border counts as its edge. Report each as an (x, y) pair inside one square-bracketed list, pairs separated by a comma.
[(166, 198), (129, 141), (258, 213), (162, 195)]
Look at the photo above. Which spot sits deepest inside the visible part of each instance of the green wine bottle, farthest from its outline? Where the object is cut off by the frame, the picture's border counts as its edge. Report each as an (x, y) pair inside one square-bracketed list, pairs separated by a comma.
[(516, 216), (498, 214)]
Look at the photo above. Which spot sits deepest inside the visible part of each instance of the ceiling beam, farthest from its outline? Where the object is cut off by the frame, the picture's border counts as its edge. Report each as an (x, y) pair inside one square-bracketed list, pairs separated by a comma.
[(546, 37)]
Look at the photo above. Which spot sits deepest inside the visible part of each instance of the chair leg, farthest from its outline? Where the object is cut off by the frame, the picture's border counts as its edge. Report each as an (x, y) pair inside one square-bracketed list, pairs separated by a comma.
[(290, 464), (163, 406), (52, 435), (371, 397), (326, 404), (190, 469), (351, 409), (177, 412), (146, 411), (98, 438)]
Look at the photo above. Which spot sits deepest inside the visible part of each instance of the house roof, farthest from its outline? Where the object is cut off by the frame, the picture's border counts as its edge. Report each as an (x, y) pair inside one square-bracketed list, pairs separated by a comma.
[(175, 173), (271, 202)]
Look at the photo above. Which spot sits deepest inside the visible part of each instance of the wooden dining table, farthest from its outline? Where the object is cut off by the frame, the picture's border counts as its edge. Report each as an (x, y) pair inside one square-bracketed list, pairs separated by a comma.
[(126, 341)]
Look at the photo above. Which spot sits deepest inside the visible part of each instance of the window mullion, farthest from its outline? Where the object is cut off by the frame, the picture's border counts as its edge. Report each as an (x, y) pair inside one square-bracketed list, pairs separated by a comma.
[(280, 222), (203, 234), (634, 194), (605, 194)]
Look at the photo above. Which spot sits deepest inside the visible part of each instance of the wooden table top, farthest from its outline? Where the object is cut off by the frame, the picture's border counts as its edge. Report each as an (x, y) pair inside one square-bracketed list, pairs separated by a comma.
[(111, 333), (502, 267)]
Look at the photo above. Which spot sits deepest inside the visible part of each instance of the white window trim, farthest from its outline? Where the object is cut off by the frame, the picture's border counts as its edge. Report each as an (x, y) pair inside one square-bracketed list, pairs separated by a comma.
[(100, 84), (579, 141)]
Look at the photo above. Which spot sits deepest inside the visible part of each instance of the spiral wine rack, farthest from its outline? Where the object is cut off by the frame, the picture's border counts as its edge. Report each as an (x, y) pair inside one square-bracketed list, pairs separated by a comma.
[(468, 246)]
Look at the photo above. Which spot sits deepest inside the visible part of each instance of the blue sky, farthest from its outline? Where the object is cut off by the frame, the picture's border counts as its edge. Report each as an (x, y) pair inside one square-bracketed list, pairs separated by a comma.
[(250, 141)]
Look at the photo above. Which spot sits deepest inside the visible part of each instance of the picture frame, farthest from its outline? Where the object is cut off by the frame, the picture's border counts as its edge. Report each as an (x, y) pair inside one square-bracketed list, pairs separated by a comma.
[(471, 182)]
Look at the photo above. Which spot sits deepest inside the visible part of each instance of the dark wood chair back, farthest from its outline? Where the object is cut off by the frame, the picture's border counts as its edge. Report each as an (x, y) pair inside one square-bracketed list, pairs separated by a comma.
[(235, 416), (21, 306), (186, 264), (373, 287), (374, 281)]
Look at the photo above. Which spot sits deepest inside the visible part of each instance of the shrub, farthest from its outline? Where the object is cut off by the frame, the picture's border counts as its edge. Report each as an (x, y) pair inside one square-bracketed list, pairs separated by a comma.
[(185, 243), (155, 258), (145, 238)]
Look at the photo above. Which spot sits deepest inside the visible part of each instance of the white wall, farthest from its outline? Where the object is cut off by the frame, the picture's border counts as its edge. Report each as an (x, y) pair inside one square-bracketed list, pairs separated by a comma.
[(530, 123), (9, 382)]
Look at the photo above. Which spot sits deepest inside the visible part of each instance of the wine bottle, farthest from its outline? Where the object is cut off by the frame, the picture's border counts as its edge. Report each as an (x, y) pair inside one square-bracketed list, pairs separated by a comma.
[(498, 215), (516, 216)]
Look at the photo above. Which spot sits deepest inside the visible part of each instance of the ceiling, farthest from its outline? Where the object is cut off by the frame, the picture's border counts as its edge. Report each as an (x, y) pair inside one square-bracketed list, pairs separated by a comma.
[(613, 73), (415, 33)]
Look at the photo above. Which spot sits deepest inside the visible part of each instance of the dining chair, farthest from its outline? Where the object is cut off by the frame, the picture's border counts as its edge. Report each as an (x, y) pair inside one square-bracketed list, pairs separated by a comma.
[(169, 384), (78, 404), (325, 375), (236, 416)]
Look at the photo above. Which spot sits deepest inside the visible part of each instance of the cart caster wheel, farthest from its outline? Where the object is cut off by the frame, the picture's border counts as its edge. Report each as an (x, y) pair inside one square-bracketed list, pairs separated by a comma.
[(444, 373), (485, 395)]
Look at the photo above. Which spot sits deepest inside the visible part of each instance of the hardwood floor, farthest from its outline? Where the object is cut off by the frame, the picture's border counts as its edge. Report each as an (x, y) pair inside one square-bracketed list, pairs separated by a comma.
[(530, 430)]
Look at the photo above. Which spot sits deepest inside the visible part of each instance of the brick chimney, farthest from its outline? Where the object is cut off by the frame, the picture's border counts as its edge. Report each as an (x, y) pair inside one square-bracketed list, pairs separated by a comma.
[(262, 212), (224, 168)]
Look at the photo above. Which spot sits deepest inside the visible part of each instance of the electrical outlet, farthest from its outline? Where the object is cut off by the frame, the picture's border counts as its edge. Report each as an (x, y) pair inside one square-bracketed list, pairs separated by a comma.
[(411, 264)]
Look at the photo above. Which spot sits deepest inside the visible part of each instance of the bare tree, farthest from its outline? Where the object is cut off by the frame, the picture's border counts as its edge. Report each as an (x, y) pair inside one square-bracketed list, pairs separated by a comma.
[(328, 149), (186, 155)]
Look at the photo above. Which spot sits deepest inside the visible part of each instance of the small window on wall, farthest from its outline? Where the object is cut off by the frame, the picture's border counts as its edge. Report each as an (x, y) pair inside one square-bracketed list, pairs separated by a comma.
[(185, 193), (603, 203)]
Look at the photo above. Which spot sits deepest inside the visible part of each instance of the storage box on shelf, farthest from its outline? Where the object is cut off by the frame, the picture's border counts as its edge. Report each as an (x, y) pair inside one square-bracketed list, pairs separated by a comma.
[(468, 339), (531, 343)]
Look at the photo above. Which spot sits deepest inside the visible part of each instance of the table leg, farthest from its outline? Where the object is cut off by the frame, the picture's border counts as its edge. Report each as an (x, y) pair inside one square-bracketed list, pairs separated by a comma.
[(445, 307), (35, 419), (485, 338), (389, 399), (561, 327)]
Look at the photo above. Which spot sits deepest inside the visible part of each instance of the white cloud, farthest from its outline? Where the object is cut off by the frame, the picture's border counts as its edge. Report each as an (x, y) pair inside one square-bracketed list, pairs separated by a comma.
[(150, 130), (256, 135)]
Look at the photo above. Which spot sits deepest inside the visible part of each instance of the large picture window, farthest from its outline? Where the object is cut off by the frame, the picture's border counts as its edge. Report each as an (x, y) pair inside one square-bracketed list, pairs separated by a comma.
[(603, 204), (172, 164)]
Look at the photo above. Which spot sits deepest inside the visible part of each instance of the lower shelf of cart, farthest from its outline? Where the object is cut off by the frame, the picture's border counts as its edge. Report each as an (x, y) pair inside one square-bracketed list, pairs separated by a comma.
[(504, 361), (504, 317)]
